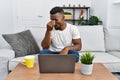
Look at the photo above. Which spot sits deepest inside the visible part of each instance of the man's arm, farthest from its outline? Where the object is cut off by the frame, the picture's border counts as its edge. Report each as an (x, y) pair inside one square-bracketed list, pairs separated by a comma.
[(77, 45), (47, 40)]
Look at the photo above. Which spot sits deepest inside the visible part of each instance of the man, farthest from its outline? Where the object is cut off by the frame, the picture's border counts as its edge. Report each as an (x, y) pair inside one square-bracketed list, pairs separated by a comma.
[(61, 37)]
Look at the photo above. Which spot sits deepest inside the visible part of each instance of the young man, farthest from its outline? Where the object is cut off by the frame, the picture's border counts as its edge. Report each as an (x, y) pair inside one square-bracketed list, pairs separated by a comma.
[(61, 37)]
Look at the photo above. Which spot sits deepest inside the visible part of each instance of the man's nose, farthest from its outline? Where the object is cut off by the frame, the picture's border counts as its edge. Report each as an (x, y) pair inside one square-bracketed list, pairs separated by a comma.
[(55, 22)]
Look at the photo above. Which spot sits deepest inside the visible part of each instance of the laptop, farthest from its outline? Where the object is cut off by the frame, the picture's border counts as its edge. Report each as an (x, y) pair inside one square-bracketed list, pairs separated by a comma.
[(56, 63)]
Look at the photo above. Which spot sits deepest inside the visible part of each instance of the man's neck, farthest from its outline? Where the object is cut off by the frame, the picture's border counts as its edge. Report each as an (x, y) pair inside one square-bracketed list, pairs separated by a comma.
[(64, 26)]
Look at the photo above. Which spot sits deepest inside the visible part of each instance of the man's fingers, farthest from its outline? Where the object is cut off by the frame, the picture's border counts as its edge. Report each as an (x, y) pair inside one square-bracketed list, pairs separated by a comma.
[(53, 22), (50, 25)]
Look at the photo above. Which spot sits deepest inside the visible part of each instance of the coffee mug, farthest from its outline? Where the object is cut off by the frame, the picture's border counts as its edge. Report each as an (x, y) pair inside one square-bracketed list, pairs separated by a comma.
[(29, 61)]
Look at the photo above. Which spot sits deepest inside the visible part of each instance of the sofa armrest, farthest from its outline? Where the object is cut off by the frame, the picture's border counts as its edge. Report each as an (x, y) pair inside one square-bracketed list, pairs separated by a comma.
[(7, 53)]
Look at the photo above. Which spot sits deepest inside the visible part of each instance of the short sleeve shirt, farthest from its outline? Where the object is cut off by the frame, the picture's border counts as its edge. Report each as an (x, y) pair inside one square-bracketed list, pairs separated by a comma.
[(61, 39)]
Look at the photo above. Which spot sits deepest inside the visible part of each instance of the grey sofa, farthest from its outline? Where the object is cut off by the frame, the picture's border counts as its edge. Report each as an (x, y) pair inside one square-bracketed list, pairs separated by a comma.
[(104, 43), (3, 67)]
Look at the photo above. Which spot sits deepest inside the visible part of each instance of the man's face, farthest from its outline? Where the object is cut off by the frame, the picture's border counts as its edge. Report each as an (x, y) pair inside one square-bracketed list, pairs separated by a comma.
[(59, 20)]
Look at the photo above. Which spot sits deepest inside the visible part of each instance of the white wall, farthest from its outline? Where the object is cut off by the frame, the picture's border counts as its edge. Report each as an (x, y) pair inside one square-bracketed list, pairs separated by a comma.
[(99, 8), (113, 15), (6, 19), (107, 11), (15, 15), (27, 11)]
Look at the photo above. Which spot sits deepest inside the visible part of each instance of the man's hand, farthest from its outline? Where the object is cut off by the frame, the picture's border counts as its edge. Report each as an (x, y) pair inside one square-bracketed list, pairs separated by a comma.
[(64, 50), (50, 25)]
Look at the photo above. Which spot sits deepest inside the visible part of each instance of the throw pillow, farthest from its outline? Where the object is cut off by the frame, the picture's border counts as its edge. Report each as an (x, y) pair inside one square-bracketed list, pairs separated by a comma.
[(23, 43)]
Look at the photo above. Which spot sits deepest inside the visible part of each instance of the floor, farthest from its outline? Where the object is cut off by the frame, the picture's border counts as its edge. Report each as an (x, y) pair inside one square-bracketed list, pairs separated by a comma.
[(117, 75)]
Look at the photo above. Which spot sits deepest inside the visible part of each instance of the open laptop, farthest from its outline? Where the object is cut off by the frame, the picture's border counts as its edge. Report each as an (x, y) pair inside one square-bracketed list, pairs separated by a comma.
[(56, 63)]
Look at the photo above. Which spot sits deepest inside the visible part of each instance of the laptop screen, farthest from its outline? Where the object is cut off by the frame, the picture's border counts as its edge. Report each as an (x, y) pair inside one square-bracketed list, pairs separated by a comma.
[(56, 63)]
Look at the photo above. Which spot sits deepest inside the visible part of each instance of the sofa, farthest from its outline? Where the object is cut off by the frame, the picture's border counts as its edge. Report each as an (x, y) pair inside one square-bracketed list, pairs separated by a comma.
[(103, 42)]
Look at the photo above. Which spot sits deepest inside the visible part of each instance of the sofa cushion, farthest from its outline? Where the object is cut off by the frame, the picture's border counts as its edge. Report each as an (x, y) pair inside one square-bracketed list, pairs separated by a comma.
[(23, 43), (111, 62), (114, 53), (112, 39), (13, 62), (92, 38)]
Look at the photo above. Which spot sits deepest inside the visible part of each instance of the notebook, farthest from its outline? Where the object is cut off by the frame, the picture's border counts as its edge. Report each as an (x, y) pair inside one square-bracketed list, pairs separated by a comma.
[(56, 63)]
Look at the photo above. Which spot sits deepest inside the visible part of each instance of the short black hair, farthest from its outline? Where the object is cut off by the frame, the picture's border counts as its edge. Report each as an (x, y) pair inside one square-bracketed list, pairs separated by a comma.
[(56, 10)]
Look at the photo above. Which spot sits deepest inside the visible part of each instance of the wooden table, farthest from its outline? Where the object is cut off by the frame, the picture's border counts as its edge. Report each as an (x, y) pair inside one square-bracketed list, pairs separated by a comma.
[(23, 73)]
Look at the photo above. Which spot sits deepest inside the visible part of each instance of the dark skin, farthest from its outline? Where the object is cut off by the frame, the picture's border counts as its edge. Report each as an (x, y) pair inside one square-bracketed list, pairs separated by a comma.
[(57, 21)]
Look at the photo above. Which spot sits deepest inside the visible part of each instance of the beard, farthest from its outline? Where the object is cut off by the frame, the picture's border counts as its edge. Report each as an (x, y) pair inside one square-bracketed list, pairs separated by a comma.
[(57, 27)]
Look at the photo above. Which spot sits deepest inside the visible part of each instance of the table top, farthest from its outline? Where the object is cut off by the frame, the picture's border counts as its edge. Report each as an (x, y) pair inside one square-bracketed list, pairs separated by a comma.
[(22, 73)]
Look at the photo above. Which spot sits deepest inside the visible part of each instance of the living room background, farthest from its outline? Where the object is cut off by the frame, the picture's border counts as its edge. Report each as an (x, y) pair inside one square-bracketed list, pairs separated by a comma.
[(15, 15)]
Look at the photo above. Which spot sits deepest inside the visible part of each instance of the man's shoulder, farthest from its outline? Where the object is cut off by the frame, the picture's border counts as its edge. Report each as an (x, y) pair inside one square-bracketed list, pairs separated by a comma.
[(71, 25)]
